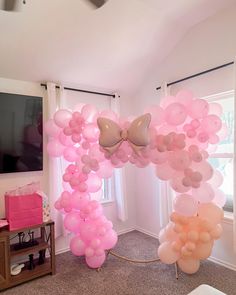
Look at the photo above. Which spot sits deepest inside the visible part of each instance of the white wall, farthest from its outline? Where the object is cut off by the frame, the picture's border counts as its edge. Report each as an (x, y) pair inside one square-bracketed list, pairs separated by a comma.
[(208, 44), (13, 180)]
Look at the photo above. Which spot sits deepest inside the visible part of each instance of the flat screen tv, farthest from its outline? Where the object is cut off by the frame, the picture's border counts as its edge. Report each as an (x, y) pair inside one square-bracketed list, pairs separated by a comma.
[(20, 133)]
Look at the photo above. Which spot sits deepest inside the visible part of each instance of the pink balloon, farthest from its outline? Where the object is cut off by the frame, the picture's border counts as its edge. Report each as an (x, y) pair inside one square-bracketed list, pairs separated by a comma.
[(72, 222), (175, 114), (211, 123), (217, 179), (94, 183), (185, 205), (215, 109), (88, 230), (95, 152), (55, 148), (105, 170), (51, 128), (203, 194), (79, 200), (109, 240), (157, 157), (167, 254), (96, 261), (164, 171), (220, 198), (62, 117), (88, 112), (167, 100), (179, 160), (70, 154), (177, 183), (77, 246), (109, 114), (65, 140), (204, 168), (199, 108), (184, 97), (91, 132)]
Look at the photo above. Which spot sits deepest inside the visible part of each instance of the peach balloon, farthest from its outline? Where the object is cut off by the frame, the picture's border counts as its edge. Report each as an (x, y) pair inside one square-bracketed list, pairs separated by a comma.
[(189, 265), (167, 254), (203, 250), (216, 232), (210, 212)]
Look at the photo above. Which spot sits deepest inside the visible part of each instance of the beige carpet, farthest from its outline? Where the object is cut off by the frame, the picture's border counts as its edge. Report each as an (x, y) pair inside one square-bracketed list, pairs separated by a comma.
[(120, 278)]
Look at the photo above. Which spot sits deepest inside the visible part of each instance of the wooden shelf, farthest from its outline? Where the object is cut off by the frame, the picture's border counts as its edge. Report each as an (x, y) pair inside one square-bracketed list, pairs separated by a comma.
[(41, 246), (27, 274), (7, 252)]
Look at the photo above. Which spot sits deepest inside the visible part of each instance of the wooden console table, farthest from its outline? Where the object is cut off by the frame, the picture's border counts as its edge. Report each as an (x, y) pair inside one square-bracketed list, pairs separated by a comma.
[(46, 241)]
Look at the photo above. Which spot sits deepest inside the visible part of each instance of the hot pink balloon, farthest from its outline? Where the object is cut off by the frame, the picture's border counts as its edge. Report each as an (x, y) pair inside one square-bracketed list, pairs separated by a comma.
[(62, 118), (96, 261)]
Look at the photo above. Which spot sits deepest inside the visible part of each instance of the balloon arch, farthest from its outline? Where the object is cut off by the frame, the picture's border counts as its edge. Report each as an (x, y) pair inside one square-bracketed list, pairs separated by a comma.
[(176, 137)]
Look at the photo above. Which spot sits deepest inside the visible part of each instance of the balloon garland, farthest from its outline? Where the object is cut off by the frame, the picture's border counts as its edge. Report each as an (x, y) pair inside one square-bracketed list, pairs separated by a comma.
[(176, 137)]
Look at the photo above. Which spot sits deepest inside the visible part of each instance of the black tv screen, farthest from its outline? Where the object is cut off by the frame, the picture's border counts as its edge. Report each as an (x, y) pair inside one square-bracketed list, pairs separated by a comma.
[(20, 133)]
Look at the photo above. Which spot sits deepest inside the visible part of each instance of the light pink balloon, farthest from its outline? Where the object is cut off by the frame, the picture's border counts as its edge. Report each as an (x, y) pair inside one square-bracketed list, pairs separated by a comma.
[(65, 140), (211, 123), (179, 160), (167, 254), (167, 100), (96, 261), (94, 183), (88, 230), (105, 170), (55, 148), (70, 154), (72, 222), (185, 205), (220, 198), (199, 108), (88, 112), (184, 97), (158, 157), (77, 246), (91, 132), (217, 179), (51, 128), (79, 200), (177, 183), (204, 168), (109, 114), (203, 194), (164, 171), (175, 114), (95, 152), (62, 117), (109, 240)]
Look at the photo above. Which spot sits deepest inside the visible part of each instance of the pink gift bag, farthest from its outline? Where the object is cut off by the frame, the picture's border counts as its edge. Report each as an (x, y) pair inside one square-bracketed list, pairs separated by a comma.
[(24, 210)]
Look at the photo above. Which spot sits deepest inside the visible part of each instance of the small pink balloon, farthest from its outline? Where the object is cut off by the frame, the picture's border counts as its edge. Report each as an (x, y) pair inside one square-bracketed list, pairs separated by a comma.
[(96, 261), (185, 205), (51, 128), (55, 148), (62, 118)]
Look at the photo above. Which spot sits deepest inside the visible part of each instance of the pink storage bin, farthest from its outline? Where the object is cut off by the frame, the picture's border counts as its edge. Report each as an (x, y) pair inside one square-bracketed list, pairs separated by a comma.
[(23, 211)]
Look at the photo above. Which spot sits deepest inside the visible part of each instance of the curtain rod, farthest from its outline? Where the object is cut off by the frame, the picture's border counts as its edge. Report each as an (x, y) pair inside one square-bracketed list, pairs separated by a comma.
[(198, 74), (82, 90)]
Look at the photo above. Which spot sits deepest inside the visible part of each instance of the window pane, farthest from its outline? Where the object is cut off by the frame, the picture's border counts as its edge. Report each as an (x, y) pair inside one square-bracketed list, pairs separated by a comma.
[(225, 166)]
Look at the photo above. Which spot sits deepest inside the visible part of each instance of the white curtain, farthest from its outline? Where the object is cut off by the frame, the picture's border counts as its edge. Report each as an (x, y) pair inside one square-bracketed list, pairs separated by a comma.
[(165, 192), (119, 176), (55, 100), (234, 189)]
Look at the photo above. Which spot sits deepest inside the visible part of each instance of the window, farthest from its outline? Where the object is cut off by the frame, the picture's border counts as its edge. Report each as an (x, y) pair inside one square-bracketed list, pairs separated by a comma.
[(107, 190), (222, 158)]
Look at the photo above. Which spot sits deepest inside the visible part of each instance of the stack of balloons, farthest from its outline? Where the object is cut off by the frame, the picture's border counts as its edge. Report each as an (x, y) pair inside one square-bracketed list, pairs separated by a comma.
[(177, 138)]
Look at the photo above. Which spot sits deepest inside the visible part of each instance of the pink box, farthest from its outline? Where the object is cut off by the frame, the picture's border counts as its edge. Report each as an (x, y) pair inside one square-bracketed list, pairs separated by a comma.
[(23, 211)]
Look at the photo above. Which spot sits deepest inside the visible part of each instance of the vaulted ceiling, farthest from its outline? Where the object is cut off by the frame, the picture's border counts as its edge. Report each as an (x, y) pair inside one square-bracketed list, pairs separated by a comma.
[(113, 47)]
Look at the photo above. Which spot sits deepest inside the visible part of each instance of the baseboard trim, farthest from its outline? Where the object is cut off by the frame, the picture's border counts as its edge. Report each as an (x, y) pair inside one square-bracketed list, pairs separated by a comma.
[(222, 263), (142, 230)]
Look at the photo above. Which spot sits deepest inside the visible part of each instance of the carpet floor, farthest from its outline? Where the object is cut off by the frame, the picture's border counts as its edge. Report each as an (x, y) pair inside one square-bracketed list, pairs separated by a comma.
[(120, 277)]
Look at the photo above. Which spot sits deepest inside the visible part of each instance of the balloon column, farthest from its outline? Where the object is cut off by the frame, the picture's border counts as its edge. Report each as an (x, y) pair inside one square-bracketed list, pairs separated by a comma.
[(176, 137)]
